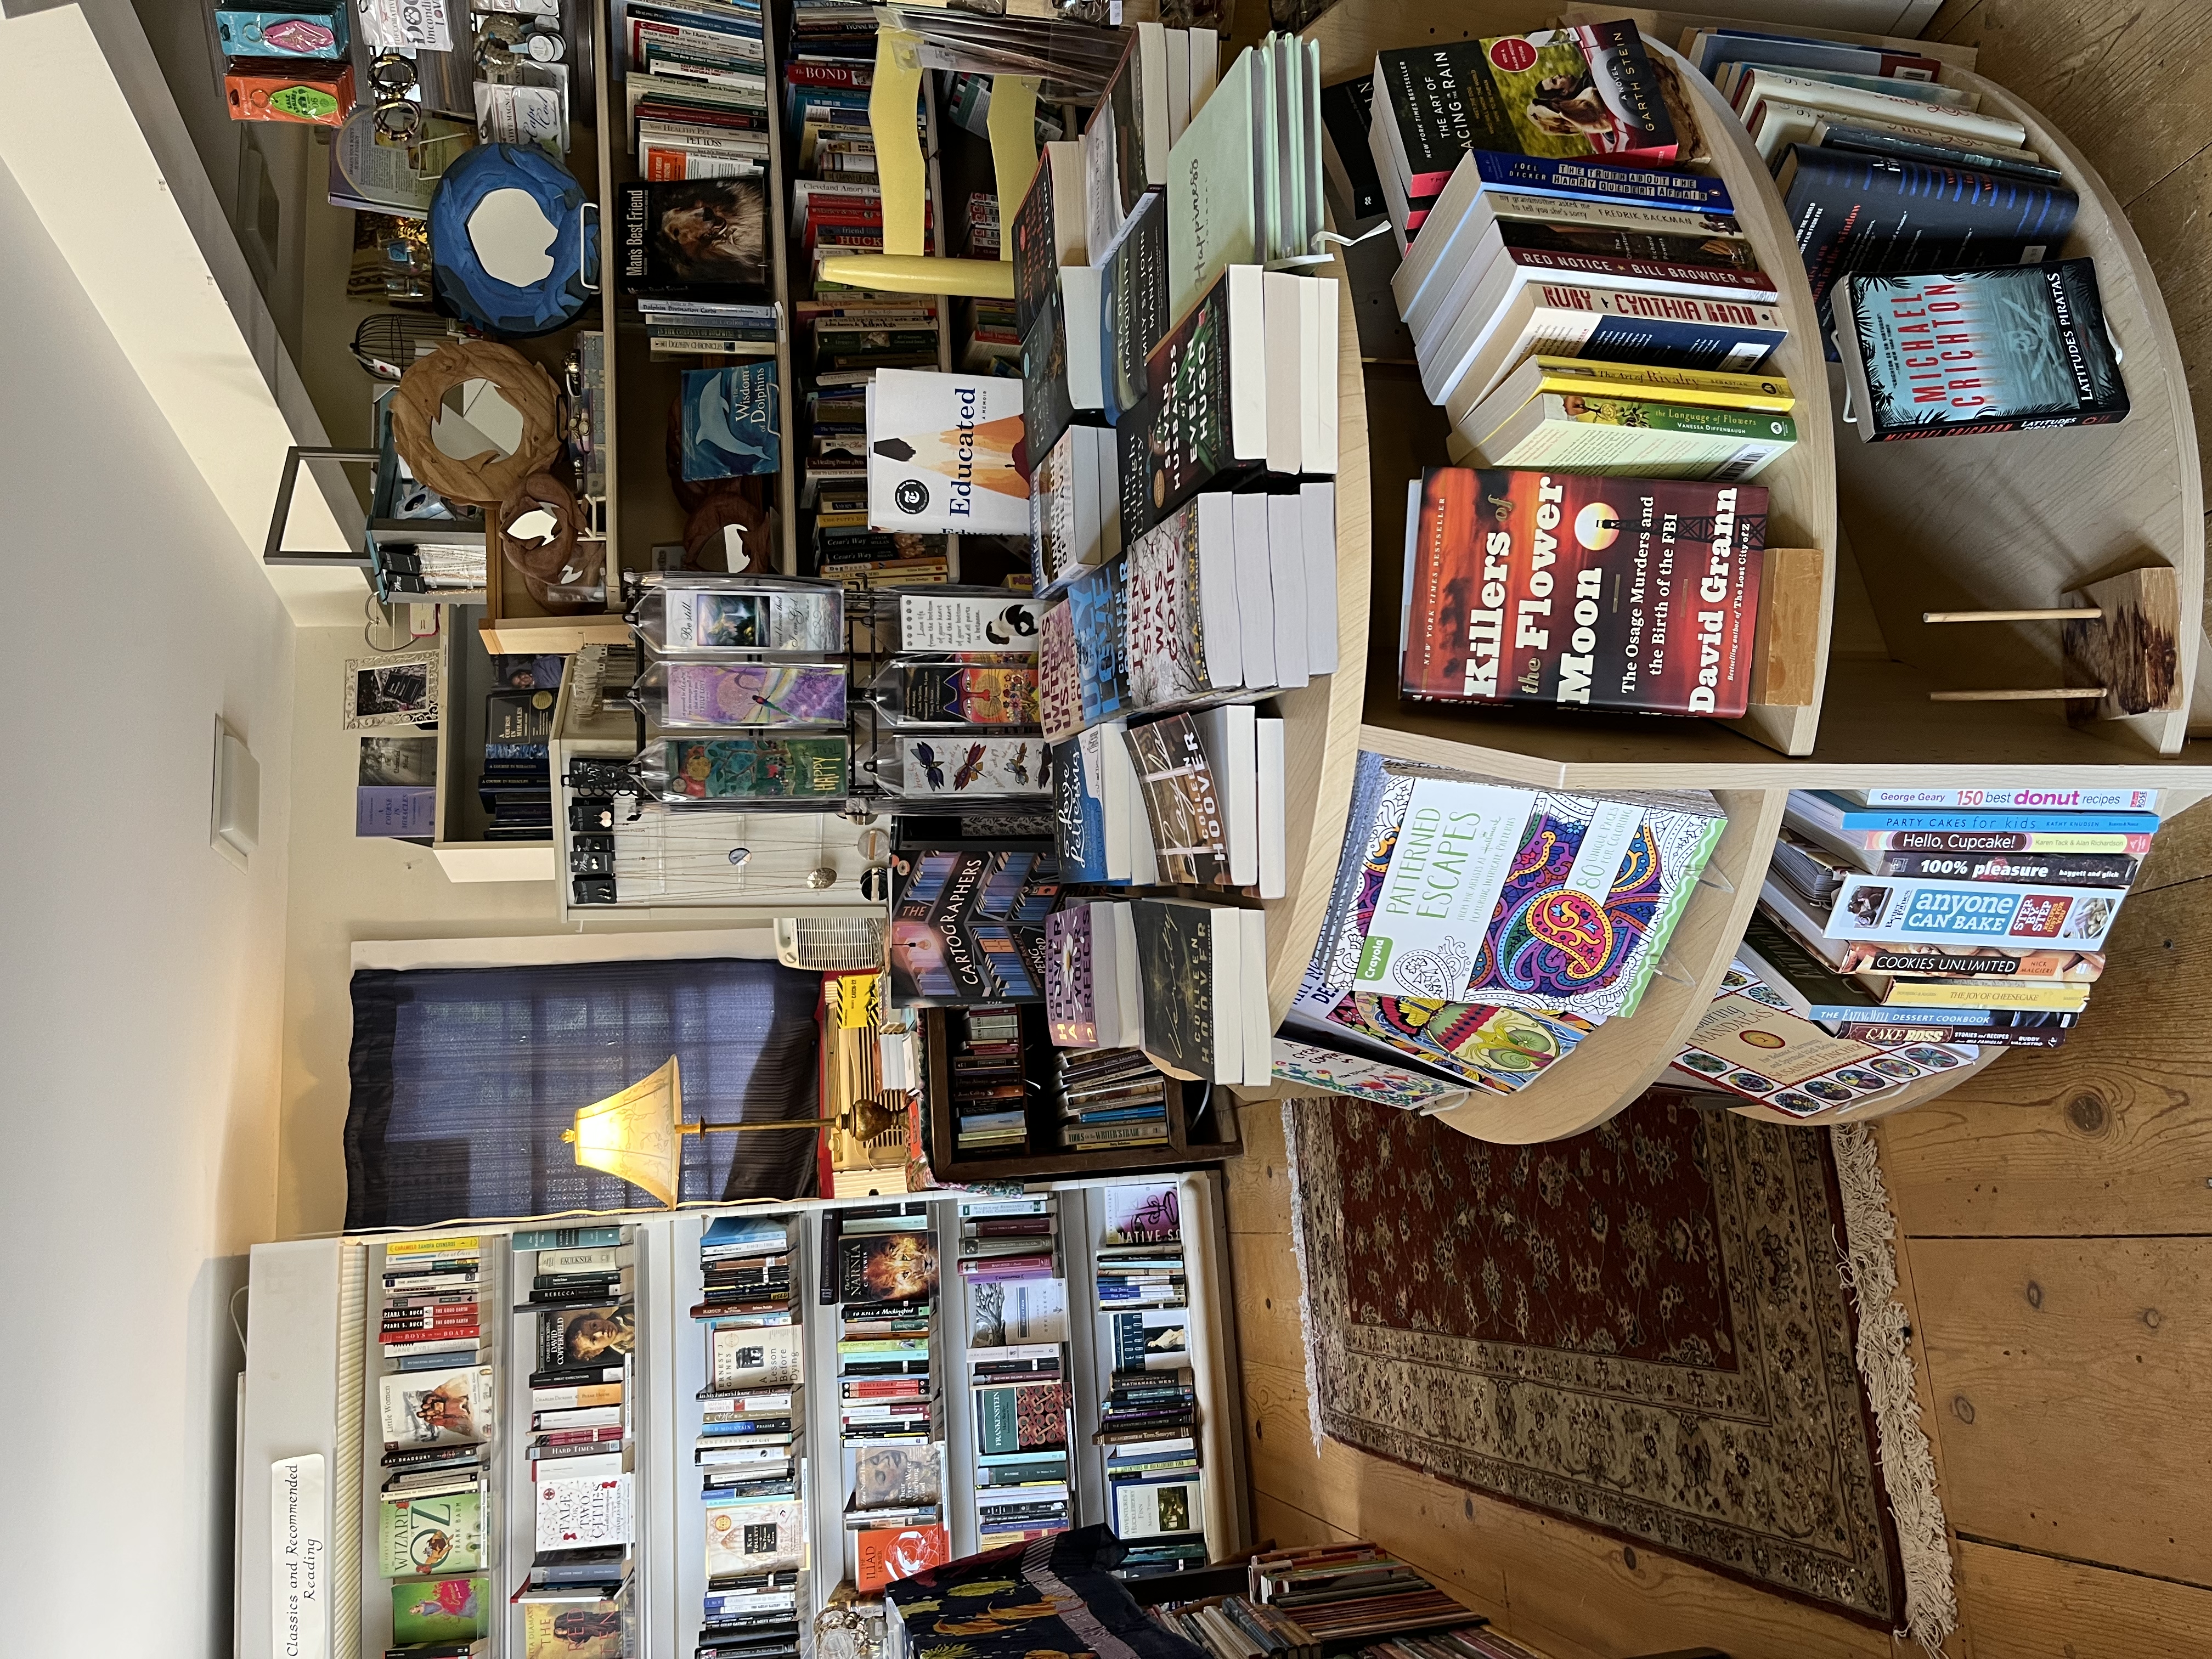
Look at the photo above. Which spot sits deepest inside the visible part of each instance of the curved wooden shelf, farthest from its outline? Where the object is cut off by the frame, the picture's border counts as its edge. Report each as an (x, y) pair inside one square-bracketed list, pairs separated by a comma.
[(1902, 1098), (1624, 1057), (2021, 518)]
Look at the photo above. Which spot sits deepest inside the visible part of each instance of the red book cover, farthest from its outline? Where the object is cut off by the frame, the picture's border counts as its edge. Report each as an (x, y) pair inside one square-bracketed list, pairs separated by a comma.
[(886, 1553), (1634, 594)]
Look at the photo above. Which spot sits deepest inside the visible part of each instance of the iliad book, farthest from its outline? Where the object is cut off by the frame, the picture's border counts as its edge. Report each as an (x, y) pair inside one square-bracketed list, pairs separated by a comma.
[(1628, 594)]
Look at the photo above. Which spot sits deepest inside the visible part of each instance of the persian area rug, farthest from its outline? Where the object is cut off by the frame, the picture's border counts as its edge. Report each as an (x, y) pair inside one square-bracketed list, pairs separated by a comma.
[(1646, 1329)]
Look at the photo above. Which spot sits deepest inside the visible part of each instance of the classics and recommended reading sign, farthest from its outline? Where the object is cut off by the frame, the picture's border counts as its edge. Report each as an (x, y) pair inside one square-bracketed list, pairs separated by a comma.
[(298, 1550)]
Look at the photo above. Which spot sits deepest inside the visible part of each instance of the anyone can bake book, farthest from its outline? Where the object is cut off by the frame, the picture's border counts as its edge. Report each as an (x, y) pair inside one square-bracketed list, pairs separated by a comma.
[(1633, 594)]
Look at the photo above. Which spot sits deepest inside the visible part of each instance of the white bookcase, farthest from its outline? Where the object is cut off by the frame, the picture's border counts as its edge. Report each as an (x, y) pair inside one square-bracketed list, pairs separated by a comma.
[(309, 1391)]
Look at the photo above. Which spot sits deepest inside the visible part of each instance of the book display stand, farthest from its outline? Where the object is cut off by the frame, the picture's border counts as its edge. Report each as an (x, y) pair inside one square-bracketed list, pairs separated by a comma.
[(1854, 686)]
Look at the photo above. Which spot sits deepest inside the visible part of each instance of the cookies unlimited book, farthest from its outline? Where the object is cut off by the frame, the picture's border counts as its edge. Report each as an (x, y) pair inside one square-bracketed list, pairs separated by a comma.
[(1635, 595)]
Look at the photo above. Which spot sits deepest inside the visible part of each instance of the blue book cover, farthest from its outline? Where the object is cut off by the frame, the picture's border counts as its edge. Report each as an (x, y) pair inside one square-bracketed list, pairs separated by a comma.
[(1099, 602), (733, 1231), (730, 424), (395, 811), (1853, 819), (1587, 180)]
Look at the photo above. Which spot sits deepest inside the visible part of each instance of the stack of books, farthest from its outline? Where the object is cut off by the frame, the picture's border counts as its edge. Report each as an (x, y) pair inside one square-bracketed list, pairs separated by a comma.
[(1970, 916), (1018, 1367), (696, 78), (990, 1093), (1410, 968), (890, 1439), (751, 1449), (843, 335), (1909, 200), (1331, 1596), (516, 783), (1148, 1416), (583, 1322), (1475, 1640), (1113, 1097), (436, 1402)]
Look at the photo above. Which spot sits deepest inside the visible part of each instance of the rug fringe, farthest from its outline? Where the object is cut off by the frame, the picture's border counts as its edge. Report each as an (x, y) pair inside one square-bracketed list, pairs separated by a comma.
[(1299, 1249), (1908, 1465)]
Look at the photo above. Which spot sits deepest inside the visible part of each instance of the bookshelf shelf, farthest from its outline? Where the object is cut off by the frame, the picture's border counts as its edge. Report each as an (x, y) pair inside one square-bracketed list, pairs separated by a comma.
[(2010, 520)]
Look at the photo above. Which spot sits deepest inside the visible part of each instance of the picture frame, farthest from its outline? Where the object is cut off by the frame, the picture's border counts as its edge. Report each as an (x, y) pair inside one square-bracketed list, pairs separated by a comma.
[(399, 689)]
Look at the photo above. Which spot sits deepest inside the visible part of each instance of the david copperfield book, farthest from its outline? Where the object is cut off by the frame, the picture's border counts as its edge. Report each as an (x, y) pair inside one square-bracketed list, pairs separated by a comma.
[(1632, 594)]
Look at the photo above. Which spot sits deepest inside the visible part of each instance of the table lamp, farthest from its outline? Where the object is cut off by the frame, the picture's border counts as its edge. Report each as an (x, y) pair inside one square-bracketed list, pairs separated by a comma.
[(638, 1134)]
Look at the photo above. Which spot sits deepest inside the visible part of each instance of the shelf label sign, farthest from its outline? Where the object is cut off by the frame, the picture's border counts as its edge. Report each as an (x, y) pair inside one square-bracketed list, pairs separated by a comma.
[(299, 1558)]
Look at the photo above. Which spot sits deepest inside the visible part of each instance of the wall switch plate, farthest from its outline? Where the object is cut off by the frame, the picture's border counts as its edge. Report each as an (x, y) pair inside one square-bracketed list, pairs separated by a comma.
[(234, 798)]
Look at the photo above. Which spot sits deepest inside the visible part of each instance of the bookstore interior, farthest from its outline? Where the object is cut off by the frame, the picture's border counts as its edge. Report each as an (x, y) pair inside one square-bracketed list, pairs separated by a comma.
[(1067, 526)]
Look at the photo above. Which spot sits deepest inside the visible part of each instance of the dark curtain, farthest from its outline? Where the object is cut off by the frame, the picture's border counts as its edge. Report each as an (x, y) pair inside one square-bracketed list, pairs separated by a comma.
[(465, 1078)]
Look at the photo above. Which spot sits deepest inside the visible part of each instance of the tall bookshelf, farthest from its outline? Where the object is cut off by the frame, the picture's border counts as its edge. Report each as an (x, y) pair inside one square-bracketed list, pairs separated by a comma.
[(311, 1326)]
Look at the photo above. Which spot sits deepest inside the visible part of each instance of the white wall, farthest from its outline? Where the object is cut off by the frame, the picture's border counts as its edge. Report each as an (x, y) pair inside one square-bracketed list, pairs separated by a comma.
[(345, 887), (139, 1037)]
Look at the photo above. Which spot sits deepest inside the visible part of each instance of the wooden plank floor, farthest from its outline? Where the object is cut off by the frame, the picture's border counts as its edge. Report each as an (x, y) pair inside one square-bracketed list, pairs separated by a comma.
[(2058, 1220)]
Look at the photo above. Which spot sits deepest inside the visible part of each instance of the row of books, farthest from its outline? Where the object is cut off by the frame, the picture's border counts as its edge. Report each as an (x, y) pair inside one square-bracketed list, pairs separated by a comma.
[(1914, 206), (847, 335), (890, 1420), (1148, 1424), (750, 1447), (1023, 1475), (1302, 1602), (583, 1447), (985, 1068), (1432, 955), (437, 1403)]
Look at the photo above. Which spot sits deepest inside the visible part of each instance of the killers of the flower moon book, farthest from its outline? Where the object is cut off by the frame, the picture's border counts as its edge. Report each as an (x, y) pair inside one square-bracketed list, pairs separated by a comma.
[(943, 455)]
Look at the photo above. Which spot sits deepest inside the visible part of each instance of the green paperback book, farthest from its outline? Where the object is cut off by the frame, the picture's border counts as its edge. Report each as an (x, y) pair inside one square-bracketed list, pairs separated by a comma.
[(442, 1533), (1213, 186)]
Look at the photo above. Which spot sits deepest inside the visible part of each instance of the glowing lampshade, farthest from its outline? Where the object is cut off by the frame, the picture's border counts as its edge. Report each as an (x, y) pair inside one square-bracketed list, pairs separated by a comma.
[(638, 1134)]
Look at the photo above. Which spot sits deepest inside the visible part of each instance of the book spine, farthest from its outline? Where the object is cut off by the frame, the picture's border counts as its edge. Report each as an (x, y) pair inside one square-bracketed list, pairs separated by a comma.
[(2066, 869), (1577, 179), (1727, 279), (1873, 142), (1985, 429)]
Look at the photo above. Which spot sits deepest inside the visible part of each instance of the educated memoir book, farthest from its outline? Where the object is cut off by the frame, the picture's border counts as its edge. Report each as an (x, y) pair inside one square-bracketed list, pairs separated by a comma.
[(1631, 594), (944, 455), (1961, 353)]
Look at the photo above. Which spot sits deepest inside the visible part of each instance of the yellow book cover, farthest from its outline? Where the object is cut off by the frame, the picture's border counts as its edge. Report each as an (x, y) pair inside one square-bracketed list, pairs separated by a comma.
[(1984, 993), (1575, 432), (1713, 388)]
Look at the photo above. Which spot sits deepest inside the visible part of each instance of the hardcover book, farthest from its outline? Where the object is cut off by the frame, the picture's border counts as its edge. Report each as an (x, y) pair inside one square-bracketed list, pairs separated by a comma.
[(1193, 986), (440, 1534), (1573, 92), (1021, 1417), (452, 1407), (1863, 214), (881, 1268), (1878, 908), (944, 455), (732, 422), (1650, 592), (744, 1540), (886, 1554), (441, 1610), (968, 927), (1978, 351), (701, 239)]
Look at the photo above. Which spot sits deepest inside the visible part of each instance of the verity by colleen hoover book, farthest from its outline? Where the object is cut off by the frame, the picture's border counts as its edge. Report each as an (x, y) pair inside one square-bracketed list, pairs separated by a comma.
[(944, 454)]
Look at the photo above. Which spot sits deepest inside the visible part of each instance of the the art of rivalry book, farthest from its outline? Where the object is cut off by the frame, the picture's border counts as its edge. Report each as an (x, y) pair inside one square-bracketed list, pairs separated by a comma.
[(1554, 589), (1965, 352), (703, 239)]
